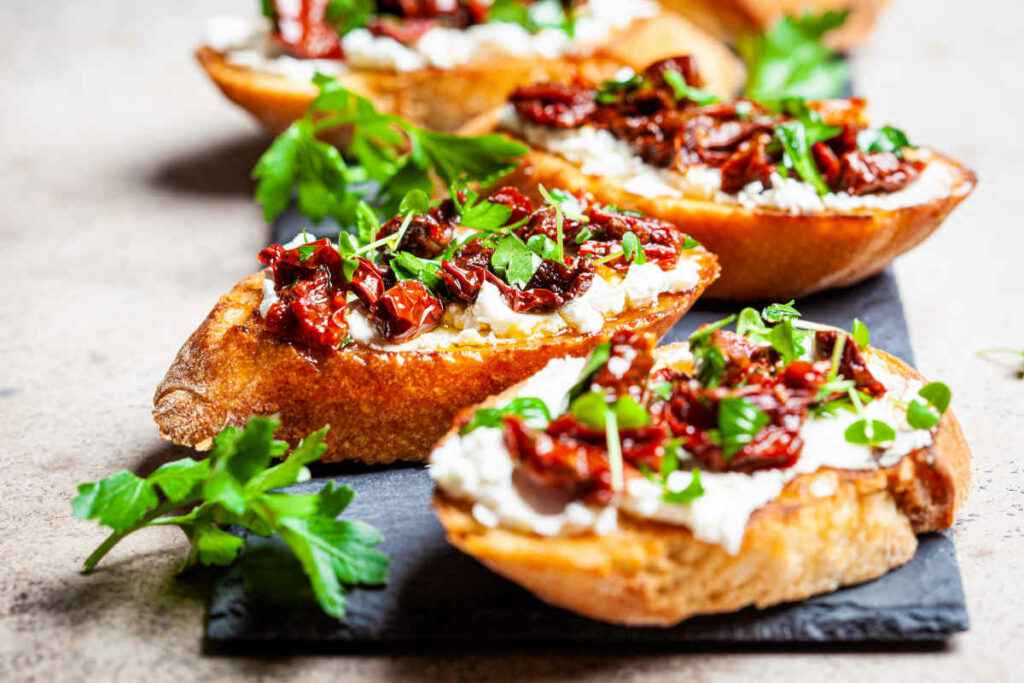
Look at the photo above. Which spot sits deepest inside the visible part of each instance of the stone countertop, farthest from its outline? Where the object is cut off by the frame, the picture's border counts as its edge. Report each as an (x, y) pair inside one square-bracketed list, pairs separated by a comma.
[(126, 212)]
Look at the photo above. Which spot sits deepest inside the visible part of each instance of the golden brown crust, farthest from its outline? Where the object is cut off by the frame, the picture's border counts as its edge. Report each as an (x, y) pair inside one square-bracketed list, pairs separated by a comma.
[(798, 545), (733, 19), (768, 254), (381, 406), (446, 99)]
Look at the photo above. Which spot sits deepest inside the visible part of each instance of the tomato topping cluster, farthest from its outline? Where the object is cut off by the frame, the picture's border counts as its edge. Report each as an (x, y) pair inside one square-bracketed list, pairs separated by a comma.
[(309, 30), (572, 456), (673, 131), (315, 283)]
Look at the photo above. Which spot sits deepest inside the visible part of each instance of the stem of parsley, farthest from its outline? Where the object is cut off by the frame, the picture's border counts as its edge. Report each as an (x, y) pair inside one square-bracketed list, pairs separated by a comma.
[(115, 538), (614, 444)]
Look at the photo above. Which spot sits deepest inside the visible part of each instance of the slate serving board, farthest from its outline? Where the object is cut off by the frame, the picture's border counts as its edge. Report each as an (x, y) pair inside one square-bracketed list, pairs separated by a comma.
[(439, 598)]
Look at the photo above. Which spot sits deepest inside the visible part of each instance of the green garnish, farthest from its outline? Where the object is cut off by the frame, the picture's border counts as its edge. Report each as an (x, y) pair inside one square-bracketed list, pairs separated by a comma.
[(513, 261), (408, 266), (533, 411), (774, 313), (684, 91), (632, 250), (707, 358), (797, 156), (865, 432), (387, 150), (861, 334), (592, 409), (790, 60), (595, 361), (662, 391), (690, 243), (534, 17), (669, 464), (884, 139), (612, 89), (348, 15), (543, 246), (926, 415), (739, 422), (234, 486)]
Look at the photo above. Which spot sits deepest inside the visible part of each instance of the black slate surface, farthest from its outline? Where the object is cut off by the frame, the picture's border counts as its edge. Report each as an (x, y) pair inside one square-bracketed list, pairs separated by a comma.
[(439, 598)]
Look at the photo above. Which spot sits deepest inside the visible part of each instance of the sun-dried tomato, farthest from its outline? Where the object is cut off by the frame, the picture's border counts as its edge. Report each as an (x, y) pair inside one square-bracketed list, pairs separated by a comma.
[(310, 312), (630, 359), (406, 310), (290, 265), (864, 173), (368, 283), (427, 236), (405, 32), (749, 164), (554, 104), (685, 65), (852, 364), (516, 201)]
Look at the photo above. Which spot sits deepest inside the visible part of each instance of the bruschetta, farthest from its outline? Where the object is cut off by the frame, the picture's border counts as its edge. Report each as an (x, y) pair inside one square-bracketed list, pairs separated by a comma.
[(747, 468), (385, 337), (732, 20), (794, 197), (441, 64)]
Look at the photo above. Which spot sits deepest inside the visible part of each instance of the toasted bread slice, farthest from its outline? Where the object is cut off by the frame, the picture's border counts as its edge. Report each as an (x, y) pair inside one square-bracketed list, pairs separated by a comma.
[(382, 406), (445, 99), (730, 20), (800, 544), (767, 253)]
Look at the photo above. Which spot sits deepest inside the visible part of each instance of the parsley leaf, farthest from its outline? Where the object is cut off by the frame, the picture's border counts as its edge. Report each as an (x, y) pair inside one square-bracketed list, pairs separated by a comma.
[(796, 154), (595, 361), (534, 16), (408, 266), (739, 422), (514, 261), (884, 139), (866, 432), (347, 15), (927, 415), (532, 410), (611, 89), (790, 60), (234, 486), (670, 464), (778, 312), (684, 91), (632, 250)]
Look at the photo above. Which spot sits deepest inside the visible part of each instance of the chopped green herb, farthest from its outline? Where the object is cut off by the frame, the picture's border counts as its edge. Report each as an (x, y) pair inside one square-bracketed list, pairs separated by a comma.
[(234, 486), (662, 390), (792, 135), (595, 361), (926, 415), (861, 334), (778, 312), (543, 246), (684, 91), (583, 235), (884, 139), (533, 411), (612, 89), (866, 432), (514, 261), (408, 266), (348, 15), (690, 243), (592, 409), (739, 422), (632, 250)]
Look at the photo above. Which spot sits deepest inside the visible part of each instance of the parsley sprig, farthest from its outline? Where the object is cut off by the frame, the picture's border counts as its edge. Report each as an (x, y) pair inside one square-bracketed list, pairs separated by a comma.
[(236, 486), (790, 60), (535, 16), (388, 158)]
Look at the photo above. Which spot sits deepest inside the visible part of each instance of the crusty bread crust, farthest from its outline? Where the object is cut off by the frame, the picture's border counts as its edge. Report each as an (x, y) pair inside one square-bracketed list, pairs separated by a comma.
[(730, 20), (382, 406), (445, 99), (764, 253), (798, 545)]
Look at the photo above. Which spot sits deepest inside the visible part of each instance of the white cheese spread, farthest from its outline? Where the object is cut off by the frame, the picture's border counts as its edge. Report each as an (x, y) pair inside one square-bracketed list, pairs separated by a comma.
[(248, 42), (477, 467), (599, 153)]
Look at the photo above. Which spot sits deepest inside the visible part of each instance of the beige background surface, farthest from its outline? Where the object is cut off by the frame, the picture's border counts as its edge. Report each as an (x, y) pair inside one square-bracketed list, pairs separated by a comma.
[(125, 212)]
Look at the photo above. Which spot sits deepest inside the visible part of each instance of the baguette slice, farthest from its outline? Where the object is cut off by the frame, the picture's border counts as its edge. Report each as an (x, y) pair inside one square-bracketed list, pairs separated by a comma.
[(382, 406), (730, 20), (764, 253), (445, 99), (648, 573)]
